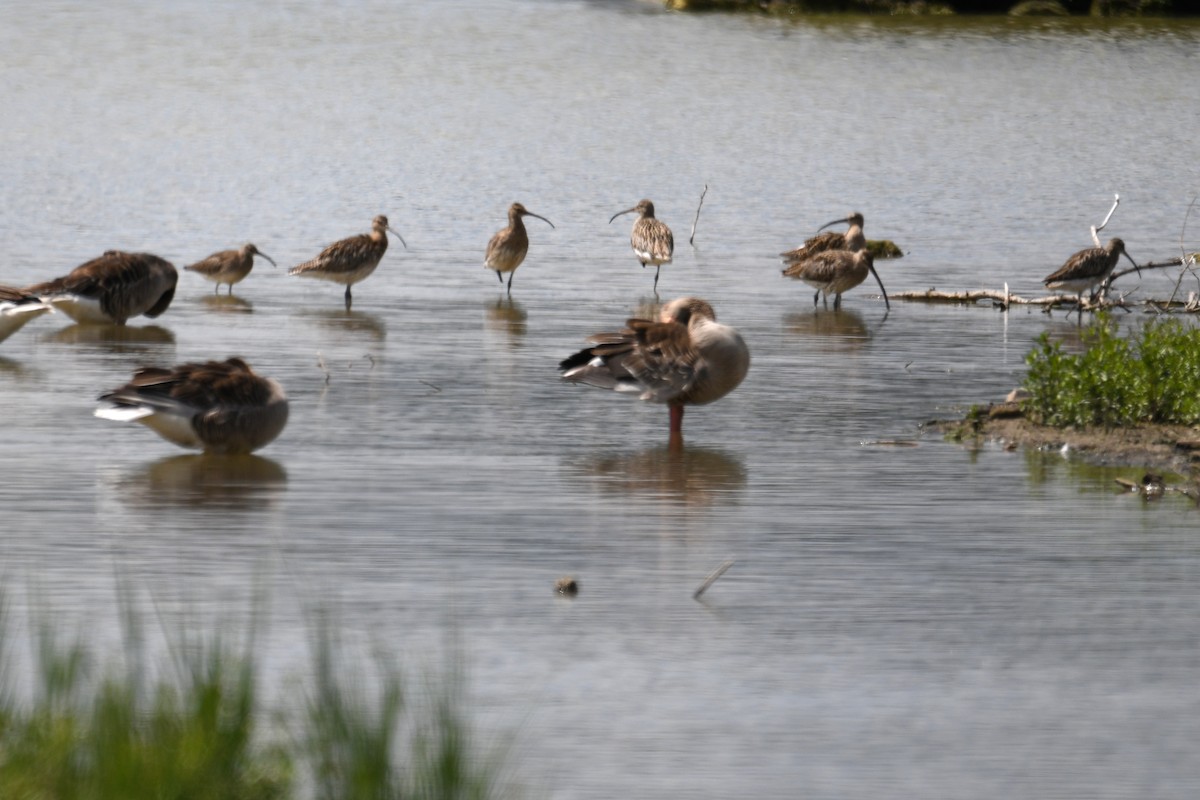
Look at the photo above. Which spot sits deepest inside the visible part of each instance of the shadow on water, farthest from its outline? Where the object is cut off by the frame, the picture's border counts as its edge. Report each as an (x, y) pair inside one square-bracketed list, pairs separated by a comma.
[(507, 315), (231, 482), (227, 304), (358, 323), (13, 368), (690, 476), (844, 327), (114, 338)]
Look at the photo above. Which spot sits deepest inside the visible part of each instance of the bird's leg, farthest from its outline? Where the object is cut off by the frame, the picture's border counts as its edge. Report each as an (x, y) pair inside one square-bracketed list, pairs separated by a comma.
[(510, 277), (816, 297), (230, 289), (348, 298), (677, 420), (218, 289), (837, 301), (825, 299), (499, 277), (656, 271)]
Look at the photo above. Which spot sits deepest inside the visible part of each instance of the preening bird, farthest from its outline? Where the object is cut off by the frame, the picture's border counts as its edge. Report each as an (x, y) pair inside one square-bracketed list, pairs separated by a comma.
[(17, 308), (852, 240), (112, 288), (835, 272)]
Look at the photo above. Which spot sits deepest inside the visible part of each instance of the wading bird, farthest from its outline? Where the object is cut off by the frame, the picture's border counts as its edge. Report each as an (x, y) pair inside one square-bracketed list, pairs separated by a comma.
[(17, 308), (508, 246), (217, 406), (685, 358), (350, 260), (834, 272), (651, 239), (1089, 267), (112, 288), (852, 240), (228, 266)]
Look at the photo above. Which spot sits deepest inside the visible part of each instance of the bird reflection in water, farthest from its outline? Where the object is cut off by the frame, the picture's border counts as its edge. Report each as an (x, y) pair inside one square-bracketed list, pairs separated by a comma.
[(205, 480), (506, 314), (226, 303), (845, 326), (358, 323), (690, 476), (114, 338)]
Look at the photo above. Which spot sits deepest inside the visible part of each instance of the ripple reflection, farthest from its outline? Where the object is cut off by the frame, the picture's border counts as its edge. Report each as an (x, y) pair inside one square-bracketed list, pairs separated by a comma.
[(232, 482), (506, 314), (227, 304), (114, 338), (691, 476), (354, 322)]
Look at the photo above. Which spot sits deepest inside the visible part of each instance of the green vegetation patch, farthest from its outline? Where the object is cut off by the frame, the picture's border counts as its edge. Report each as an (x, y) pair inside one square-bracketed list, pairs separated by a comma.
[(1151, 377)]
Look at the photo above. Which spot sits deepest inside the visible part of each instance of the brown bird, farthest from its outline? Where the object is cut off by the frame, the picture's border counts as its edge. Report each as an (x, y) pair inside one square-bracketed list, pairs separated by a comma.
[(834, 272), (350, 260), (217, 406), (1089, 267), (228, 266), (685, 358), (112, 288), (852, 240), (17, 308), (508, 246), (652, 241)]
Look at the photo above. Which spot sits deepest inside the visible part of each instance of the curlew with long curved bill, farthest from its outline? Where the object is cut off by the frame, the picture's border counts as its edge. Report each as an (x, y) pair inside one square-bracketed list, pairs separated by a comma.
[(228, 266), (685, 358), (651, 239), (350, 260), (217, 406), (17, 308), (507, 248), (852, 240), (834, 272), (1088, 268), (112, 288)]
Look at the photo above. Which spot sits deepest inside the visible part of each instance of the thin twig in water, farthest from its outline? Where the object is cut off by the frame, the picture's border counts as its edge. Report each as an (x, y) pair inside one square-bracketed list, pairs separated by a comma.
[(692, 238), (1184, 258), (712, 578), (430, 385), (370, 358), (1096, 230), (321, 364)]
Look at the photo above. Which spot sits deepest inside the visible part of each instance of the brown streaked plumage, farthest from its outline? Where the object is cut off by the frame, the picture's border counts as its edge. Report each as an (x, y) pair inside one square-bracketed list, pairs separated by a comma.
[(651, 239), (228, 266), (1088, 268), (852, 240), (215, 406), (350, 260), (112, 288), (507, 248), (835, 272), (17, 308), (684, 358)]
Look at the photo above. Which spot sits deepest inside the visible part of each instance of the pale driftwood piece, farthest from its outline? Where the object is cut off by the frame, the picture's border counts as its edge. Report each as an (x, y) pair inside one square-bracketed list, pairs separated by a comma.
[(1096, 229), (696, 219), (712, 578), (974, 296)]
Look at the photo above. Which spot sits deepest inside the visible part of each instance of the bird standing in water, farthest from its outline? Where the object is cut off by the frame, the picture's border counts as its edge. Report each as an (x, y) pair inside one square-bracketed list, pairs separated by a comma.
[(834, 272), (1088, 268), (508, 246), (228, 266), (651, 239), (852, 240), (350, 260), (112, 288)]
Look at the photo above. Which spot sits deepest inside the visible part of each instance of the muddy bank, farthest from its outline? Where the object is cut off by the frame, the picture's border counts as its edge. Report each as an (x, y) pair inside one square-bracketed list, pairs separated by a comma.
[(1096, 8)]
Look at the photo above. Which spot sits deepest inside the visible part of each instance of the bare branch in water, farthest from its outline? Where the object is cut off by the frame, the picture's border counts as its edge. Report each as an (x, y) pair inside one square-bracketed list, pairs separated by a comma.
[(1187, 261), (712, 578), (692, 238), (1096, 230), (321, 364)]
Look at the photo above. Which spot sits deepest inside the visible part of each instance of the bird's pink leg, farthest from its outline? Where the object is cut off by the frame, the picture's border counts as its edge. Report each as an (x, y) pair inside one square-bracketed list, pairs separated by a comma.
[(676, 419)]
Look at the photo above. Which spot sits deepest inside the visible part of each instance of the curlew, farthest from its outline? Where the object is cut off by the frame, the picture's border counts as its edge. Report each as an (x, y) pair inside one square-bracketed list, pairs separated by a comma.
[(217, 406), (1089, 267), (685, 358), (852, 240), (507, 248), (835, 272), (228, 266), (350, 260), (652, 241), (17, 308), (112, 288)]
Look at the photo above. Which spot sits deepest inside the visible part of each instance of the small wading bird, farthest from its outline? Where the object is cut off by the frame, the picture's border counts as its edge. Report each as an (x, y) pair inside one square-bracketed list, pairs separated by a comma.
[(17, 308), (1089, 267), (652, 241), (112, 288), (834, 272), (228, 266), (685, 358), (350, 260), (852, 240), (219, 406), (508, 247)]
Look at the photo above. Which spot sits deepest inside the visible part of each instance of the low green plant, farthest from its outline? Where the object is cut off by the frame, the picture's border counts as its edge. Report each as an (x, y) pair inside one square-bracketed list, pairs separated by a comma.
[(1153, 376)]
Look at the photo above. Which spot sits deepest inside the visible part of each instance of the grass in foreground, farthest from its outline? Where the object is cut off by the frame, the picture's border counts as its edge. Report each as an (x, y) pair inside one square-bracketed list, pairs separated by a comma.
[(197, 730), (1153, 376)]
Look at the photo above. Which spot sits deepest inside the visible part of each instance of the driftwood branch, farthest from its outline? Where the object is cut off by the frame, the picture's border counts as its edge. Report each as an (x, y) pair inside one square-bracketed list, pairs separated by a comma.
[(712, 578), (1096, 229), (696, 219)]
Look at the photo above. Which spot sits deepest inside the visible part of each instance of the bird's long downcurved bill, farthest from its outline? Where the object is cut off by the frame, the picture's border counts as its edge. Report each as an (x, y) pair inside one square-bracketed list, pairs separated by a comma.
[(539, 216), (880, 282), (835, 222), (1131, 261), (398, 236), (619, 213), (268, 258)]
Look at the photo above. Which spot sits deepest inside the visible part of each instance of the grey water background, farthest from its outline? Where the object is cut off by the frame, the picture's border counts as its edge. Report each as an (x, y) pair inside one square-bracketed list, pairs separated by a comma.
[(927, 621)]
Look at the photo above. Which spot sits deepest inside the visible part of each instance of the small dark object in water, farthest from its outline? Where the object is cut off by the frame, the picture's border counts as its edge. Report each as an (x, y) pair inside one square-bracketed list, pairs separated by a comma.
[(568, 586)]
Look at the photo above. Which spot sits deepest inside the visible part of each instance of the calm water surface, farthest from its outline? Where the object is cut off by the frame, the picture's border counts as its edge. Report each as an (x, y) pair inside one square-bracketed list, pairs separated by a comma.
[(902, 621)]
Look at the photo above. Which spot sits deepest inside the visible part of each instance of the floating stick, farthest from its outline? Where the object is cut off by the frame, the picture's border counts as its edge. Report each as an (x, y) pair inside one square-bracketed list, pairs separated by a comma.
[(1096, 230), (712, 578), (692, 238)]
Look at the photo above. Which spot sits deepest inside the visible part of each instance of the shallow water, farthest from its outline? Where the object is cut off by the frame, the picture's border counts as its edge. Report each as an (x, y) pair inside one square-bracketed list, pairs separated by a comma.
[(925, 621)]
